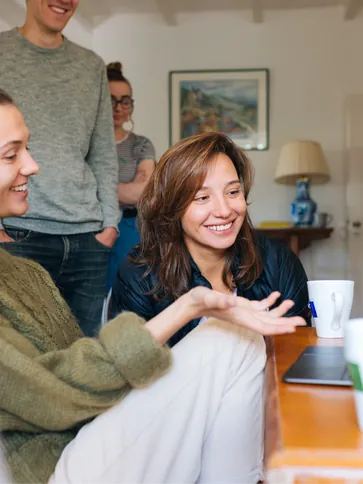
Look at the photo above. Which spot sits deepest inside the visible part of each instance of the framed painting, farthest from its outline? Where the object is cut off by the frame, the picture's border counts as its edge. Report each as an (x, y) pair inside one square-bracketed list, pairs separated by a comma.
[(231, 101)]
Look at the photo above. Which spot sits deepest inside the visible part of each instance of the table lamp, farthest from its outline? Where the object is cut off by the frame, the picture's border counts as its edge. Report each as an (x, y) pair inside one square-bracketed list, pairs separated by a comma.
[(302, 163)]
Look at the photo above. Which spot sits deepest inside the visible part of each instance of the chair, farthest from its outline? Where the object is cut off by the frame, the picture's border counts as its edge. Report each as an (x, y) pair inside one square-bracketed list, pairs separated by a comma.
[(106, 308)]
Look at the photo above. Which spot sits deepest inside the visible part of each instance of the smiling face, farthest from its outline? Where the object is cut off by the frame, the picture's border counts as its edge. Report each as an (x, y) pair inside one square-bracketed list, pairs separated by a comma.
[(51, 16), (122, 112), (215, 216), (16, 164)]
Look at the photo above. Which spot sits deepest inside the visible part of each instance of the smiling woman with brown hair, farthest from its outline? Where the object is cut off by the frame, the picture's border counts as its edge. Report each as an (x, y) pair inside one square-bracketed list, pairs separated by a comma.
[(178, 189), (195, 230), (123, 407)]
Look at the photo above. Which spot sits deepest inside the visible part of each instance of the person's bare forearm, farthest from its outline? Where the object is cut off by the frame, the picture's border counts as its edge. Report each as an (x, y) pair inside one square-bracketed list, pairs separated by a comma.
[(129, 193), (239, 311), (168, 322)]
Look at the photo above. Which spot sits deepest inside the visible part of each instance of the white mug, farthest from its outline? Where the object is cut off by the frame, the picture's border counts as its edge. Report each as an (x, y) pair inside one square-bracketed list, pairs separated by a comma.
[(330, 305), (353, 351)]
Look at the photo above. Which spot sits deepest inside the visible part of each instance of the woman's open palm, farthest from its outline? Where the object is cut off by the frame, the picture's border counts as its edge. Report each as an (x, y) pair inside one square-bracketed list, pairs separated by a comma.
[(254, 315)]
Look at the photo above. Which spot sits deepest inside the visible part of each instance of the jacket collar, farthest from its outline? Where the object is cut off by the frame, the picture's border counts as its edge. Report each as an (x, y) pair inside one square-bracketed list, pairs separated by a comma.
[(197, 277)]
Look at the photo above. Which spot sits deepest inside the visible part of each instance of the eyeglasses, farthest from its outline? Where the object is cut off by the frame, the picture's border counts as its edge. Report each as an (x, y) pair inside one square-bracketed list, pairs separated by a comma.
[(126, 102)]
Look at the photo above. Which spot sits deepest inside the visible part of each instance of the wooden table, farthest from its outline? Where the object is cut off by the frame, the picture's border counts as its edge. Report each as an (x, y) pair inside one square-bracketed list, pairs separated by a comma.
[(296, 238), (312, 434)]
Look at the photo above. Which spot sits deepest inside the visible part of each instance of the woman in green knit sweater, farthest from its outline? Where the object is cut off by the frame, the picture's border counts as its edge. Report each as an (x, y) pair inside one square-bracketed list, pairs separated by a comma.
[(124, 408)]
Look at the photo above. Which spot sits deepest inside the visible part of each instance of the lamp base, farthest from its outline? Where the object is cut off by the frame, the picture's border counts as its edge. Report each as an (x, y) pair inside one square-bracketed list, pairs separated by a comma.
[(303, 208)]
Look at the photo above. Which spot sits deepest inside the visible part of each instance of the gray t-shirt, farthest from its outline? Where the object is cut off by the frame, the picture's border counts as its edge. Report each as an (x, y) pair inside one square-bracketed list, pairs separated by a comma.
[(64, 96), (131, 152)]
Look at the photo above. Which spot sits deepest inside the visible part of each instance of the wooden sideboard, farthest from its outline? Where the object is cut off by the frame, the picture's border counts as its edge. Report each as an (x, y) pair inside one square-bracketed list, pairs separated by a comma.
[(311, 433), (296, 238)]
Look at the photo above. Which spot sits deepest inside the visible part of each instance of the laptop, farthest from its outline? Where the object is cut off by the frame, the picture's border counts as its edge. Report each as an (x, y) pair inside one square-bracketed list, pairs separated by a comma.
[(319, 365)]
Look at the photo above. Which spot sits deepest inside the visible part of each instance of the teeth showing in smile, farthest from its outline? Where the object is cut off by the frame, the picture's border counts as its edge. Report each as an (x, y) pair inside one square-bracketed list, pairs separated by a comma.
[(220, 228), (20, 188), (58, 9)]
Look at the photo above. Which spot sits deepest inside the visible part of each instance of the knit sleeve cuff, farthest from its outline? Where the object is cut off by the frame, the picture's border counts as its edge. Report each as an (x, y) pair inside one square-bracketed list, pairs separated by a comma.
[(112, 223), (138, 357)]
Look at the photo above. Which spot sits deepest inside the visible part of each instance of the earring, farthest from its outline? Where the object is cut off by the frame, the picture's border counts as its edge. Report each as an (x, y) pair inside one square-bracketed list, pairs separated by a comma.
[(129, 129)]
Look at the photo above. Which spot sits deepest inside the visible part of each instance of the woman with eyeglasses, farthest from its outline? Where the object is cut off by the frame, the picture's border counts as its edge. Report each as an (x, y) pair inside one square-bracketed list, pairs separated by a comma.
[(136, 156)]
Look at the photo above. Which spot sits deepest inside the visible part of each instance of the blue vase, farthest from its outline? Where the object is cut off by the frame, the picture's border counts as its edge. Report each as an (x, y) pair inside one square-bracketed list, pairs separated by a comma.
[(303, 208)]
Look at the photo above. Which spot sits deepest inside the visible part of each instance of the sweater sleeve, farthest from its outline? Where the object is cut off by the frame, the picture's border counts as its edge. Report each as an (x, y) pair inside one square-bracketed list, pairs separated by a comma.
[(63, 388), (102, 157)]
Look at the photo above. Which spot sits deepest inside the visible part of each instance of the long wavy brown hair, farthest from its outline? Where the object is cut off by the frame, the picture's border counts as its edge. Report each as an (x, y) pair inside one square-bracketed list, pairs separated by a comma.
[(177, 178)]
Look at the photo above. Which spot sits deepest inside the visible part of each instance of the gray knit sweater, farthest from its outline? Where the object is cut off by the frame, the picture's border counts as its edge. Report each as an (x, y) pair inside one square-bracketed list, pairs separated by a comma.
[(64, 96)]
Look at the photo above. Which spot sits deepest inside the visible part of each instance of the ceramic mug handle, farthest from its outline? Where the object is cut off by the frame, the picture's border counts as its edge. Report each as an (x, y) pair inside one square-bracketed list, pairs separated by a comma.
[(338, 300)]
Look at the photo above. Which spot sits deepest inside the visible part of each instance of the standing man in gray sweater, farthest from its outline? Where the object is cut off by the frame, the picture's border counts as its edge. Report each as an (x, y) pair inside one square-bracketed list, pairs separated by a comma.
[(62, 91)]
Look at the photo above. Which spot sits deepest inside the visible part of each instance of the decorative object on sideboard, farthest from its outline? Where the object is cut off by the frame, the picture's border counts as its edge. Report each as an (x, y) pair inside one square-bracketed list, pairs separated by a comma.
[(274, 224), (324, 219), (302, 163)]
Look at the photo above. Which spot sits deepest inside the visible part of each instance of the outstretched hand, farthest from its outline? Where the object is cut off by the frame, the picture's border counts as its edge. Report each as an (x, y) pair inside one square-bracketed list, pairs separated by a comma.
[(250, 314)]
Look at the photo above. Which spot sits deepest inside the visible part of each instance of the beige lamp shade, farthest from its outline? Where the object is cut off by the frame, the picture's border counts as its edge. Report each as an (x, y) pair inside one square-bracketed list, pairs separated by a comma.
[(300, 159)]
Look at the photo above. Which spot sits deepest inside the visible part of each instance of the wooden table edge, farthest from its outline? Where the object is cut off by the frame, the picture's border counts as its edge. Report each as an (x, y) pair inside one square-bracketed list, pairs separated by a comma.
[(276, 456)]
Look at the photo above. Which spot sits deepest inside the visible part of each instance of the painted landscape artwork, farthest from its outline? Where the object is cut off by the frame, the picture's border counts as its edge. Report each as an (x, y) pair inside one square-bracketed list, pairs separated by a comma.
[(232, 105), (227, 106)]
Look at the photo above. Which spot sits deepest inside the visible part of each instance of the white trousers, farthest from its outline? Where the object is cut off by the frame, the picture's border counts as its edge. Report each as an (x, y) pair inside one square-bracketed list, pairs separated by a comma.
[(200, 423), (4, 474)]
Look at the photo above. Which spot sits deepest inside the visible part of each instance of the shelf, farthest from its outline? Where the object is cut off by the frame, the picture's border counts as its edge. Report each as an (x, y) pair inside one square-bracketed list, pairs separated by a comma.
[(296, 238)]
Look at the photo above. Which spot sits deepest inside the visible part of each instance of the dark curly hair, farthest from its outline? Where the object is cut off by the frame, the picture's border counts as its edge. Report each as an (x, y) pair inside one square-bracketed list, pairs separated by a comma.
[(114, 73)]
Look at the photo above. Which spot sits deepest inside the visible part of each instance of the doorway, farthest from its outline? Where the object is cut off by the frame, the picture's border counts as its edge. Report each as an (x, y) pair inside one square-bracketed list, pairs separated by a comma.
[(354, 196)]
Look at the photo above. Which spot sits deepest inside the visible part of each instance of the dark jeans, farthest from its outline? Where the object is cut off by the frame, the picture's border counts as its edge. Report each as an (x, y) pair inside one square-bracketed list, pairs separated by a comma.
[(77, 264)]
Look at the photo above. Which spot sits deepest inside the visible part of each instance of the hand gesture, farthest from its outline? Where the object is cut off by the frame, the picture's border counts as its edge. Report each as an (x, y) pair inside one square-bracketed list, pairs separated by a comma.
[(253, 315)]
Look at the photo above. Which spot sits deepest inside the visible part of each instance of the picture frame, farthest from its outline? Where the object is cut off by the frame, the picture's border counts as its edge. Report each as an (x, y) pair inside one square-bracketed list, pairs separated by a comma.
[(231, 101)]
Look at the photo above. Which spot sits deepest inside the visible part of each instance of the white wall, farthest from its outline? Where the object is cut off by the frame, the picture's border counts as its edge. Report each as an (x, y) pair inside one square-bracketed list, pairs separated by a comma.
[(315, 62), (3, 25), (75, 31), (78, 32)]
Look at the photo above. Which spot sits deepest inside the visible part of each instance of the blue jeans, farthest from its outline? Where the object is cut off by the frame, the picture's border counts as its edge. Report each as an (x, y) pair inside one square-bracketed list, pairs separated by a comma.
[(77, 264), (129, 236)]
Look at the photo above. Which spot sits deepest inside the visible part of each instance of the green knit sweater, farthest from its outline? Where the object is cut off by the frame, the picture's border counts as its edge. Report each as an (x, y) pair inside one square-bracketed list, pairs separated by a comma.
[(53, 380)]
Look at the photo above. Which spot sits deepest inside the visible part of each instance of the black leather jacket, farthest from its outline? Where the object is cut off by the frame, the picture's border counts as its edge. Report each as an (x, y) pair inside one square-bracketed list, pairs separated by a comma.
[(282, 271)]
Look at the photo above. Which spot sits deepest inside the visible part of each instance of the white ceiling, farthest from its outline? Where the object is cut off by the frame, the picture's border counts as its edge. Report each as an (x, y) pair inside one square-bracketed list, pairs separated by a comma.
[(91, 9), (94, 12)]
